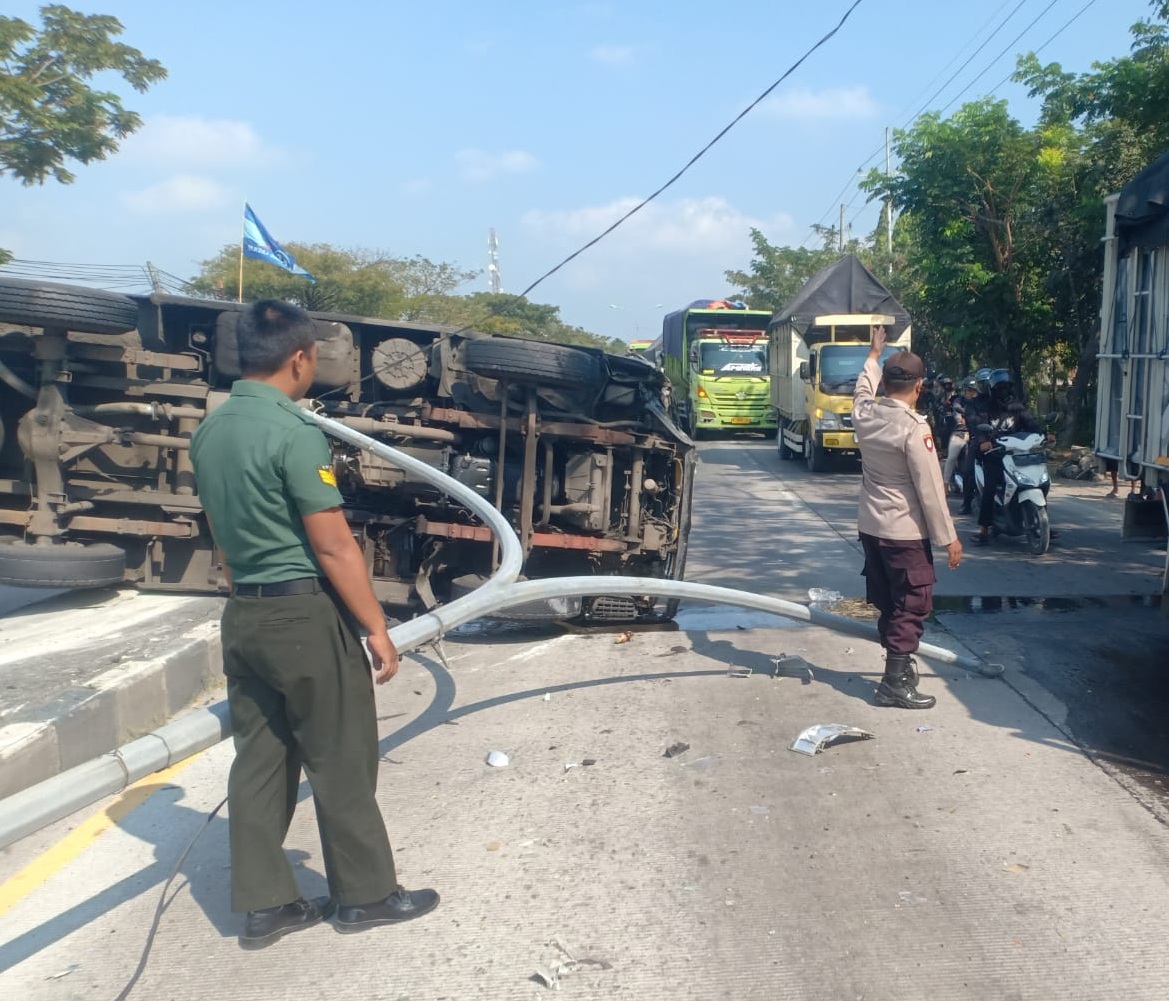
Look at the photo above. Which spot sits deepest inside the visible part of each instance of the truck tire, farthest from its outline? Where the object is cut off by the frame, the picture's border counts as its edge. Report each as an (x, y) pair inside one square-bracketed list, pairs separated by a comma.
[(520, 361), (88, 310), (69, 564), (696, 433), (785, 450), (815, 455)]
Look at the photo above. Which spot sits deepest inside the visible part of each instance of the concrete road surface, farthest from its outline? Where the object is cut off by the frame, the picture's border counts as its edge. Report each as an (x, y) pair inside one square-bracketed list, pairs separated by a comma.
[(978, 850)]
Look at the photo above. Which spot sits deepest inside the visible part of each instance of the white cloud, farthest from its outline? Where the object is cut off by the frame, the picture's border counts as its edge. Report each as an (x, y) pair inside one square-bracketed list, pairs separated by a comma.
[(670, 252), (478, 165), (614, 55), (206, 141), (692, 227), (179, 194), (832, 103)]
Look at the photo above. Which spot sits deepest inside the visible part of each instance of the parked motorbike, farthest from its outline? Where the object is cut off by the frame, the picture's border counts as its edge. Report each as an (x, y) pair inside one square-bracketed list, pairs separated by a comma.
[(1020, 506)]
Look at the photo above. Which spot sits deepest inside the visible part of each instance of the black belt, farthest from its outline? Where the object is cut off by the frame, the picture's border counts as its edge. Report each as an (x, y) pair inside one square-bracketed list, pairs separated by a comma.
[(281, 589)]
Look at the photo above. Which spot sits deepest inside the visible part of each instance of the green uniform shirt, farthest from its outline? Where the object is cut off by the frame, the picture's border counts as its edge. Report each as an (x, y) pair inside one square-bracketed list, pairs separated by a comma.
[(261, 465)]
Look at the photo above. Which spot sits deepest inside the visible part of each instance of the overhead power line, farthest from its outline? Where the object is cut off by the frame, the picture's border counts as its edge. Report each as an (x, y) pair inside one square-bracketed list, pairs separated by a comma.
[(697, 156), (1051, 38)]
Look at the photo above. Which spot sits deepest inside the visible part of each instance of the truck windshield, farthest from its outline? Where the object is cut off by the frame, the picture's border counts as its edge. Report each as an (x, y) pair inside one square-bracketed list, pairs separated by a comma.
[(733, 359), (840, 364)]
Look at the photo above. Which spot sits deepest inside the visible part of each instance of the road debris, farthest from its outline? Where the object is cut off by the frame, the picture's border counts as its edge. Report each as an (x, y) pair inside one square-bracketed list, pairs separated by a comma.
[(72, 968), (761, 809), (788, 666), (1015, 867), (823, 596), (497, 759), (624, 637), (924, 728), (818, 736), (547, 696), (739, 672), (675, 749), (550, 974)]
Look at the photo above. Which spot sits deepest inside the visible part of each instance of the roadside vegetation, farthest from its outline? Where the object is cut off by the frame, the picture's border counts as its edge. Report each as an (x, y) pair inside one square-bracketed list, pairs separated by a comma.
[(996, 241)]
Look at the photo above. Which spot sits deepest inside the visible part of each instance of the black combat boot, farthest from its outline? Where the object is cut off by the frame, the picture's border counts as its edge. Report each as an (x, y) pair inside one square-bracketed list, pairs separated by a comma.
[(899, 686)]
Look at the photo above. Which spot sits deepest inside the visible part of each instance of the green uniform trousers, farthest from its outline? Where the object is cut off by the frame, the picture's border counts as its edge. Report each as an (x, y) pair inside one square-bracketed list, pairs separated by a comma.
[(301, 696)]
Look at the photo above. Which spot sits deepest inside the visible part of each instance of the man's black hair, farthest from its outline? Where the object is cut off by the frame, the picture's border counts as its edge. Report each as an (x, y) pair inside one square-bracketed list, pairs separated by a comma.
[(270, 332)]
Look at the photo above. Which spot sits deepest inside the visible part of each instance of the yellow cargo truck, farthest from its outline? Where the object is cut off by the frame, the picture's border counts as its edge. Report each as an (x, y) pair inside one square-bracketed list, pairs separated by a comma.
[(817, 345)]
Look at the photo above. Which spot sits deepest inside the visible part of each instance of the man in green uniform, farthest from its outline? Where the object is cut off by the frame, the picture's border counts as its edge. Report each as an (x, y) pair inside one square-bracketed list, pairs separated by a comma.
[(298, 681)]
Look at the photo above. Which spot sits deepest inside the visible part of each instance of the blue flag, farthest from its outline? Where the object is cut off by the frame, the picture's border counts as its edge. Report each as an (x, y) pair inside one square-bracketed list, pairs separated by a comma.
[(258, 244)]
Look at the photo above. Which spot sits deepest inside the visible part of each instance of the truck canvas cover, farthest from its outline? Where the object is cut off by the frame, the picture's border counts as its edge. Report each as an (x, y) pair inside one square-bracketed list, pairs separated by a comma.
[(1142, 211), (844, 287)]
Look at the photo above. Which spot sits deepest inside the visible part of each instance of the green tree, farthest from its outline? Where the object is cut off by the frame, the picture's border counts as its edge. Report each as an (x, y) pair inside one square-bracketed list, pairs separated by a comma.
[(513, 315), (777, 273), (49, 113), (362, 282), (969, 188)]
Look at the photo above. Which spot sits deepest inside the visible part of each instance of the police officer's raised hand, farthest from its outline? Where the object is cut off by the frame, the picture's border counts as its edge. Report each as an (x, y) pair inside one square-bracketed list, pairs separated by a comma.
[(954, 552), (384, 655), (877, 344)]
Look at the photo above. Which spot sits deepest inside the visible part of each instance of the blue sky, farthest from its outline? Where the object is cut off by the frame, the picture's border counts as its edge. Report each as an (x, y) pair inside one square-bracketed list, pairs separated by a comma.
[(412, 128)]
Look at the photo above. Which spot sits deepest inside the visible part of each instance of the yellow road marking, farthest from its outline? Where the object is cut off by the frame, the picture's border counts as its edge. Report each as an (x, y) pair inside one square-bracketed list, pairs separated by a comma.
[(49, 863)]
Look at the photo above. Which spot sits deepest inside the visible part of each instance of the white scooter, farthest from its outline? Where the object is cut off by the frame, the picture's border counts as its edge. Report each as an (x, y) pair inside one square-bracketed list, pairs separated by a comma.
[(1020, 506)]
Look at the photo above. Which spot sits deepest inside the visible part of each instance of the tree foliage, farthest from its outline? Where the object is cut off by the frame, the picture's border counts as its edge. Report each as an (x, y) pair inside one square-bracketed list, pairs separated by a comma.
[(49, 112), (374, 283)]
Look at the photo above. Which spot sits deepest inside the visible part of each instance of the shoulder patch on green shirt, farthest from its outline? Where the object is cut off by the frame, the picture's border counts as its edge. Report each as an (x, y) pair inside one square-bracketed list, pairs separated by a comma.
[(327, 476)]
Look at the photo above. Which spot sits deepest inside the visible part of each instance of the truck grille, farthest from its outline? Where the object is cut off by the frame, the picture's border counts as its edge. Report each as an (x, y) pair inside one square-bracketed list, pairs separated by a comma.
[(754, 406)]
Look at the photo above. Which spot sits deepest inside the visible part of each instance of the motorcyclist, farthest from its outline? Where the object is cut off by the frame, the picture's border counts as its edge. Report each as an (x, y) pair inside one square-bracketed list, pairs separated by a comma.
[(967, 394), (944, 416), (1003, 414), (974, 404)]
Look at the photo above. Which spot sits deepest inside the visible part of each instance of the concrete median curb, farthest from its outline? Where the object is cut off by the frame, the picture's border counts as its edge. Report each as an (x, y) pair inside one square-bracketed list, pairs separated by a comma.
[(110, 710)]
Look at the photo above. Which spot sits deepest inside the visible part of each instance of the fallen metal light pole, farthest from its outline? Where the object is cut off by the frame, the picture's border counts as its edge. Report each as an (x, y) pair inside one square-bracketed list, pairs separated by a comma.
[(32, 809)]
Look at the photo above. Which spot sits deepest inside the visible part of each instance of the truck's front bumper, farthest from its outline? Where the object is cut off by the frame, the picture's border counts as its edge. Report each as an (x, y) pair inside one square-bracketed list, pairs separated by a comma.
[(841, 443)]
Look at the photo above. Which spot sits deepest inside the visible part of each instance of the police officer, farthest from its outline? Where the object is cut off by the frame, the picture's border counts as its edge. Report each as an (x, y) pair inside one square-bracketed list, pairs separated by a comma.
[(298, 681), (902, 509)]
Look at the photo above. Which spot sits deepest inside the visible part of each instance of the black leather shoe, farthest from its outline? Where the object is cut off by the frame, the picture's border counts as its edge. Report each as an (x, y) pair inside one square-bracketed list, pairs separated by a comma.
[(265, 926), (401, 905)]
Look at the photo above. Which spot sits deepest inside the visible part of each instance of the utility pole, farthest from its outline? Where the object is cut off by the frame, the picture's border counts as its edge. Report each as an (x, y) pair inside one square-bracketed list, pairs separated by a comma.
[(493, 275), (888, 206), (840, 235), (155, 278)]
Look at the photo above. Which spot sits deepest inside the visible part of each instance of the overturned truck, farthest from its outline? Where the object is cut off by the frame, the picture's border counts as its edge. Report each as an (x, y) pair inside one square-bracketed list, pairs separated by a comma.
[(100, 393)]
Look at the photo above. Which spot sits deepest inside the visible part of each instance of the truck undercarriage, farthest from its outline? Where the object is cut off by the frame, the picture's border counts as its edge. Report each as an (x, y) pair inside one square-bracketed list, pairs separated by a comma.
[(100, 392)]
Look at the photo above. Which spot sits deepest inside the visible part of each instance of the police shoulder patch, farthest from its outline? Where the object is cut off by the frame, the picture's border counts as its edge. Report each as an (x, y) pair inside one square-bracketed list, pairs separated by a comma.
[(327, 476), (929, 442)]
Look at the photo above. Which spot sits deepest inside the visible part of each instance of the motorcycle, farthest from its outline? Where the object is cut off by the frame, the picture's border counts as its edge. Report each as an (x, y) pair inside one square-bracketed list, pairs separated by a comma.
[(1020, 505)]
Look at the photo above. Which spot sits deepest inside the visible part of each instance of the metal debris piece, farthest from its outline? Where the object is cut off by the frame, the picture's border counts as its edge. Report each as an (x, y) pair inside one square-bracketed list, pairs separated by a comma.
[(549, 976), (569, 765), (760, 809), (924, 728), (497, 759), (675, 749), (787, 666), (818, 736), (739, 672), (71, 968), (588, 761)]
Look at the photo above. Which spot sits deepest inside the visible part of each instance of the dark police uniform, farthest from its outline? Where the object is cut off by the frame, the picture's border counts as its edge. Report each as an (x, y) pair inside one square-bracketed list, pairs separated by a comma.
[(902, 508), (299, 685)]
